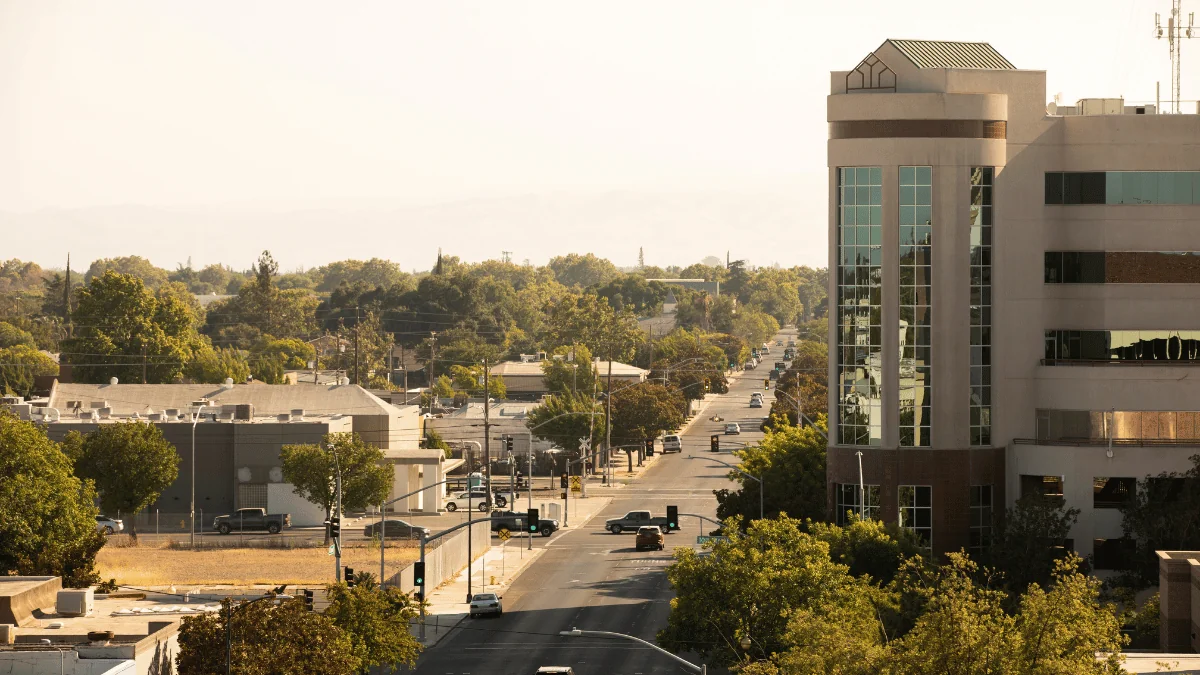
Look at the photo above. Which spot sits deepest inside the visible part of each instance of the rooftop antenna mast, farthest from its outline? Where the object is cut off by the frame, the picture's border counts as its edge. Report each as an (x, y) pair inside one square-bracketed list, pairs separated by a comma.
[(1175, 33)]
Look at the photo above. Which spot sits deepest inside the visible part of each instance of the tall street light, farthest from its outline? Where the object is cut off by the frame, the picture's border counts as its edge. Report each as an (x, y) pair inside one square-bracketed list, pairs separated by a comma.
[(197, 406), (575, 632), (756, 478)]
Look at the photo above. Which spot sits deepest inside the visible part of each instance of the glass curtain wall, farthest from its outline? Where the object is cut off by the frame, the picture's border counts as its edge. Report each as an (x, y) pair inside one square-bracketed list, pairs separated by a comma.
[(860, 288), (981, 306), (916, 285)]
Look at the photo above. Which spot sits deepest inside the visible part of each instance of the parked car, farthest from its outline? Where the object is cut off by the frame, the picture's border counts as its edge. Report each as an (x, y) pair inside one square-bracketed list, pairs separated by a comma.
[(516, 522), (672, 443), (650, 537), (733, 428), (244, 520), (109, 525), (477, 499), (634, 520), (486, 603), (756, 403), (395, 529)]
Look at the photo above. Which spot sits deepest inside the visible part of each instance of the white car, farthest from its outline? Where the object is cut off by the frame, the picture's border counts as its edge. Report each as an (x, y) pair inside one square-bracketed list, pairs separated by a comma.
[(109, 525), (733, 428), (756, 403), (476, 500), (486, 603), (672, 443)]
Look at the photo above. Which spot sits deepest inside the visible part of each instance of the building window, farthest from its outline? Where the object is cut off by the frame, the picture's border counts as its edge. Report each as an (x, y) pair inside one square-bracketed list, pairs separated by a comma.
[(847, 501), (1124, 426), (1112, 554), (916, 285), (916, 512), (980, 409), (860, 289), (1122, 345), (981, 519), (1043, 486), (1074, 267), (1112, 493), (1123, 187)]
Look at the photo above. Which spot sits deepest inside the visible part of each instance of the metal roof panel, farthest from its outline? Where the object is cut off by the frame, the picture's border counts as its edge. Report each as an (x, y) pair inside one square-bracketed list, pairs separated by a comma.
[(939, 54)]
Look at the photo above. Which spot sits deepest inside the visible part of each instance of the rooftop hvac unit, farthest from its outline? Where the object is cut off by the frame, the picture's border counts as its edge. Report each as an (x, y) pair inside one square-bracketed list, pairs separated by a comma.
[(243, 411), (298, 413), (104, 413), (283, 417), (226, 417), (172, 412), (8, 633), (154, 417), (10, 400), (96, 405), (75, 602), (51, 414), (1101, 106), (87, 414)]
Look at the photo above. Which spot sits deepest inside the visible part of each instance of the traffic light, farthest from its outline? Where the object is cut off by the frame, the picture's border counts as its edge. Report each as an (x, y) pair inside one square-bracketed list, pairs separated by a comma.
[(673, 517), (714, 443), (562, 481), (508, 443), (649, 447), (308, 600), (532, 520), (349, 578), (334, 527), (419, 573)]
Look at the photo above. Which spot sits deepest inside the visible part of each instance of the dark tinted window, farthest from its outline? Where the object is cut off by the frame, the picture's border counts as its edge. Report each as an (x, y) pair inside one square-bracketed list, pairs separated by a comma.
[(1054, 187), (1111, 493), (1074, 267)]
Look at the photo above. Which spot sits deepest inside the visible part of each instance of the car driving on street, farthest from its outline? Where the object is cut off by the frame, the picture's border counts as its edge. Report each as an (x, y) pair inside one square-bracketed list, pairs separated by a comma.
[(486, 603), (477, 500), (733, 428), (672, 443), (650, 537), (395, 529)]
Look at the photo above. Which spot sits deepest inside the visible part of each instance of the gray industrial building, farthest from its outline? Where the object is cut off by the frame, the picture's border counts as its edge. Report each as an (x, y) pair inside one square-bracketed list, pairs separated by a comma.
[(238, 437)]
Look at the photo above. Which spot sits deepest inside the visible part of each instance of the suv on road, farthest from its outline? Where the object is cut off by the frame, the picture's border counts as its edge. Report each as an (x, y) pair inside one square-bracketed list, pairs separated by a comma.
[(477, 499), (733, 428), (650, 537), (672, 443), (109, 525)]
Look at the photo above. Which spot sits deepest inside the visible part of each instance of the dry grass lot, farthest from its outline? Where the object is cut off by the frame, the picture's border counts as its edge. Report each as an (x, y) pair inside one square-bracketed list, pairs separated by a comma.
[(161, 566)]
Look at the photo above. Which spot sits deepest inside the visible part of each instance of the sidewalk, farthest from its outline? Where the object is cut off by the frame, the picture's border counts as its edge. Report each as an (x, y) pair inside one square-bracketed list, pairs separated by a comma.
[(501, 565)]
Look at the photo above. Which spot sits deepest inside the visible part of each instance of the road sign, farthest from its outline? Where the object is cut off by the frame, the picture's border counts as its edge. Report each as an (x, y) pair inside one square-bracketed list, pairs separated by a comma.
[(503, 534), (331, 549), (576, 483), (701, 539)]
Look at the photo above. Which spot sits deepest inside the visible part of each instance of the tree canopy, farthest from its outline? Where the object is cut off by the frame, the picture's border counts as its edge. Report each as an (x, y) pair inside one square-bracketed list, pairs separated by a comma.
[(791, 462), (311, 469)]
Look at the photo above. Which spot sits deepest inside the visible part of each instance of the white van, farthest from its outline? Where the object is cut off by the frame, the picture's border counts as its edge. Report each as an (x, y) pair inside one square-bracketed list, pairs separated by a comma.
[(672, 443)]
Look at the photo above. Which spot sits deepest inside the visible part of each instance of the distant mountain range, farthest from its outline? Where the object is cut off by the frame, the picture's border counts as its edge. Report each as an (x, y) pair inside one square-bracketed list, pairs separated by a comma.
[(673, 229)]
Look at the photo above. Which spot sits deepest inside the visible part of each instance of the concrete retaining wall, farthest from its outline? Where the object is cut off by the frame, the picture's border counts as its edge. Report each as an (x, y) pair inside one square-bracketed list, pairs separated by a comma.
[(448, 558)]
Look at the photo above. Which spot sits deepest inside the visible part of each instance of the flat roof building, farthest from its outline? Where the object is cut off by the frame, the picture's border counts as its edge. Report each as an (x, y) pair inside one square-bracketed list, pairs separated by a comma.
[(1012, 289)]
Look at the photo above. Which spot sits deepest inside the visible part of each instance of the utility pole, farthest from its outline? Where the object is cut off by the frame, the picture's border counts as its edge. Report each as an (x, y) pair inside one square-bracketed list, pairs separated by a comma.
[(67, 297), (357, 380), (432, 359), (487, 426), (608, 419), (143, 363)]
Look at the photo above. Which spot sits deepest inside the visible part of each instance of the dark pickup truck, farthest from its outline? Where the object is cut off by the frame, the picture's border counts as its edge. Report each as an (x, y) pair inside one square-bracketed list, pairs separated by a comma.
[(515, 522), (633, 520), (244, 520)]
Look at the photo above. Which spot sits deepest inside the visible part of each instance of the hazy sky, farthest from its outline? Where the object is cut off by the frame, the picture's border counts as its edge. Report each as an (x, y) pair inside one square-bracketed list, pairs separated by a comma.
[(293, 105)]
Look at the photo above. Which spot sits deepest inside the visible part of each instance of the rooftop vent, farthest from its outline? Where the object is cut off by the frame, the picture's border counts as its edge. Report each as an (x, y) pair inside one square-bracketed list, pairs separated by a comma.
[(283, 417), (172, 413), (105, 412), (87, 414), (228, 384), (113, 380)]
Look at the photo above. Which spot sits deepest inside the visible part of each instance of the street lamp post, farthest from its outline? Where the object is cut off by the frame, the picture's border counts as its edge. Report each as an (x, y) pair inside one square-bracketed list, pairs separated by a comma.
[(755, 478), (198, 407), (575, 632)]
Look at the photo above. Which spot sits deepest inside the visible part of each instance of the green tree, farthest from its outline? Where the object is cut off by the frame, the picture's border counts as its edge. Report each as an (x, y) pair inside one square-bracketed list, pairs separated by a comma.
[(582, 270), (804, 381), (47, 514), (644, 411), (130, 463), (124, 331), (377, 622), (643, 298), (775, 292), (748, 587), (752, 325), (573, 372), (374, 272), (561, 421), (311, 469), (212, 366), (135, 266), (791, 462), (11, 336), (1029, 541), (868, 547), (469, 381), (690, 363), (266, 640), (1163, 514), (260, 303), (443, 387), (588, 320), (19, 365)]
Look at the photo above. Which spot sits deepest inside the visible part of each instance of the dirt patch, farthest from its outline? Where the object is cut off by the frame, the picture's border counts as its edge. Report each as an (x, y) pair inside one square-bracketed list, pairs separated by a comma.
[(160, 566)]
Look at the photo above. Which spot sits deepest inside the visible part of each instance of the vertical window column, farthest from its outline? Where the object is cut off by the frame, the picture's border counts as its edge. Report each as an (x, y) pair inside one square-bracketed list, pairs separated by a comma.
[(981, 306), (981, 520), (849, 500), (916, 286), (859, 305), (916, 512)]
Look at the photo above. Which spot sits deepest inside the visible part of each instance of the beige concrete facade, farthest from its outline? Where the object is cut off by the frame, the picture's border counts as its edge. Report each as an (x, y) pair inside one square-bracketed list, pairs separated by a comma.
[(889, 127)]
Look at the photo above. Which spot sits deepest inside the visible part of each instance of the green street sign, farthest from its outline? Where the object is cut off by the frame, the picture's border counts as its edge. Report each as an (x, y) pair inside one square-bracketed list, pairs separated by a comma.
[(702, 539)]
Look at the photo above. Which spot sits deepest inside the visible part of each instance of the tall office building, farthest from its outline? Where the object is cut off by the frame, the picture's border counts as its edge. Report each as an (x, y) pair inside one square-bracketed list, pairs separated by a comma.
[(1014, 292)]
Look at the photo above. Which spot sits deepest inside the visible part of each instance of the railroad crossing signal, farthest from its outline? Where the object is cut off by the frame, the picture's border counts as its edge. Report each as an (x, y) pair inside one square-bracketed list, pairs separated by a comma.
[(503, 534), (532, 520), (576, 483)]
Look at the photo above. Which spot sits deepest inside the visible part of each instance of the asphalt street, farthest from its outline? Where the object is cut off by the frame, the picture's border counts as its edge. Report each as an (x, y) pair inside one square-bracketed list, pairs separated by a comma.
[(593, 580)]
